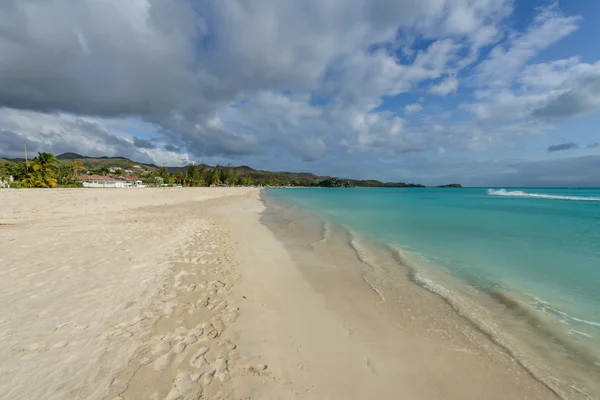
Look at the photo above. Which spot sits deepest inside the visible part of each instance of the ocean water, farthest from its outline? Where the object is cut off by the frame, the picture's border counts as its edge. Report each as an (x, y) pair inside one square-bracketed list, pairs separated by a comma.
[(531, 255)]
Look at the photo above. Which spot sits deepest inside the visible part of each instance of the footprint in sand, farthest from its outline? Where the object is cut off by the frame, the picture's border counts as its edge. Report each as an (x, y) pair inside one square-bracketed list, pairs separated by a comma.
[(179, 347), (372, 367), (161, 362), (184, 388), (35, 346), (219, 369), (218, 325), (257, 368), (198, 359)]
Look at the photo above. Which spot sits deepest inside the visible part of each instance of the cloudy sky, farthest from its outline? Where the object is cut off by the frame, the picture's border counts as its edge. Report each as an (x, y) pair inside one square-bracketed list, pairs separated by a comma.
[(481, 92)]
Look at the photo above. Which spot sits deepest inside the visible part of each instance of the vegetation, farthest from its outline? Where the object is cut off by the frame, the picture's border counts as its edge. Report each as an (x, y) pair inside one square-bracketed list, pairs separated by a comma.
[(43, 171), (47, 170)]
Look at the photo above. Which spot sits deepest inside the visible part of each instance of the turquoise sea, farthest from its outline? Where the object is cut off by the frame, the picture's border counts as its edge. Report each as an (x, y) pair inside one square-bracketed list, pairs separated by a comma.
[(534, 251)]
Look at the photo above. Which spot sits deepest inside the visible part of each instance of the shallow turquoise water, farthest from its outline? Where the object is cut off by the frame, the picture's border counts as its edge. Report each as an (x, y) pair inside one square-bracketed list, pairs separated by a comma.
[(542, 244)]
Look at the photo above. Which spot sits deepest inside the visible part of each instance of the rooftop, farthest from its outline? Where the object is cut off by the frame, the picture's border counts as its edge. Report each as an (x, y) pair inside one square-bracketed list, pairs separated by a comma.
[(95, 178)]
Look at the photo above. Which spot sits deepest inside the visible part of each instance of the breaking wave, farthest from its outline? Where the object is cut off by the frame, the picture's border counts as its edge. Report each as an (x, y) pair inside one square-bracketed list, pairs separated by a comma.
[(520, 193)]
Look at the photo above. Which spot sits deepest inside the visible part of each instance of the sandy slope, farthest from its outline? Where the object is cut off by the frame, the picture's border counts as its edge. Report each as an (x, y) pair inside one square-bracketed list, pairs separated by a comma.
[(81, 274), (184, 294)]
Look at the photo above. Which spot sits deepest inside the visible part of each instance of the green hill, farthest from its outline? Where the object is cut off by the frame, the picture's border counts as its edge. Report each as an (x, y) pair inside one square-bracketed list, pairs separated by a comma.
[(279, 178), (99, 162)]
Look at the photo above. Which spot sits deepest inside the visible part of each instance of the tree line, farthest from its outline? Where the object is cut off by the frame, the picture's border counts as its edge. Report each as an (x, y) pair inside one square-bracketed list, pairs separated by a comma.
[(46, 171), (43, 171), (197, 175)]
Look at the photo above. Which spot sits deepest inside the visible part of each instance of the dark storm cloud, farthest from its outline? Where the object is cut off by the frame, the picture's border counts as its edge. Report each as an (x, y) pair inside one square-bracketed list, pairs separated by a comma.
[(103, 135), (562, 147), (92, 62), (108, 59), (173, 148), (143, 143), (11, 144)]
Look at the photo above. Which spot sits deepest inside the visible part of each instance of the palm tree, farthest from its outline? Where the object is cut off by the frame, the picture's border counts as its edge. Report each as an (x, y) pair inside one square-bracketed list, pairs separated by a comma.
[(42, 172), (64, 174), (104, 171), (214, 175), (163, 172), (45, 161), (228, 175), (76, 166)]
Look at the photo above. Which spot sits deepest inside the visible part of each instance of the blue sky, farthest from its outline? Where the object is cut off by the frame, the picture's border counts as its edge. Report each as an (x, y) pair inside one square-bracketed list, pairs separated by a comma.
[(481, 92)]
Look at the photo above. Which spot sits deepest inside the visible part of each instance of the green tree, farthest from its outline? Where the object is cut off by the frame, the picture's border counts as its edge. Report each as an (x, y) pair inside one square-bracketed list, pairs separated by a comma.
[(64, 174), (246, 181), (18, 170), (42, 171), (214, 176), (45, 162), (177, 177), (76, 166), (228, 175), (163, 172), (104, 171), (190, 172)]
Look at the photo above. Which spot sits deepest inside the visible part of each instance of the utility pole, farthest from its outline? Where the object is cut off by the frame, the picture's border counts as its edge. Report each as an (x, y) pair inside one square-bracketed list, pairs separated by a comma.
[(25, 147)]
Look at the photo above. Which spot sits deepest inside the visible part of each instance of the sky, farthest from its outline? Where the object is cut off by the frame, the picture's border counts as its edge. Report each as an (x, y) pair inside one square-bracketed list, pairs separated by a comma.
[(479, 92)]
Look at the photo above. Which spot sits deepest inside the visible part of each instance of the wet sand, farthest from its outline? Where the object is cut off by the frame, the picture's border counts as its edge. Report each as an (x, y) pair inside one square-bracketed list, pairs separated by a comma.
[(196, 293)]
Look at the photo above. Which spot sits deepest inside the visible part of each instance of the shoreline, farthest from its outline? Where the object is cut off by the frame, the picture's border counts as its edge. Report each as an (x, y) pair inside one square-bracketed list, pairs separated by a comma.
[(368, 347), (164, 293), (474, 309)]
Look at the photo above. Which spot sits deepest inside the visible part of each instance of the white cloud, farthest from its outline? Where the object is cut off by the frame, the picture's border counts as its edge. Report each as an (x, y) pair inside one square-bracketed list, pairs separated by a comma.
[(413, 108), (504, 63), (90, 136), (280, 79), (550, 91), (572, 88), (178, 64), (446, 87)]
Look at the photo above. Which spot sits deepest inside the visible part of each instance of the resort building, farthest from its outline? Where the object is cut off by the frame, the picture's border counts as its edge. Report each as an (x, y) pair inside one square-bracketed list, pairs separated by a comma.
[(98, 181)]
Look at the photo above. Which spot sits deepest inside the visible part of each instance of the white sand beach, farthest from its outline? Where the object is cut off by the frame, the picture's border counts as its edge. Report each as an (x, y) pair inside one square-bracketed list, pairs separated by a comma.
[(183, 293)]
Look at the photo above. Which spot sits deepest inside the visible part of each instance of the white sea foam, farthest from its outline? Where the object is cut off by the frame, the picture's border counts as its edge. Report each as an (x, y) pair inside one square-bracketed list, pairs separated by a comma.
[(583, 321), (520, 193)]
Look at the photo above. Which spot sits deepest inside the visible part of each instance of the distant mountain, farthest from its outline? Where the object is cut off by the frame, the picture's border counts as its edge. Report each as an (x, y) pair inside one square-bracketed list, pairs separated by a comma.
[(12, 159), (98, 162), (260, 176), (70, 156)]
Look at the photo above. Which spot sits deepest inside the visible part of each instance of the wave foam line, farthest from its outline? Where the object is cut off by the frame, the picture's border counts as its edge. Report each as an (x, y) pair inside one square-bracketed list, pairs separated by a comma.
[(520, 193), (364, 278)]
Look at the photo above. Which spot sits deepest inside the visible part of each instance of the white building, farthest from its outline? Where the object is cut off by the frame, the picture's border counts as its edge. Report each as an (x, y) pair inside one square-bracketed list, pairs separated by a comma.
[(97, 181), (133, 181)]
